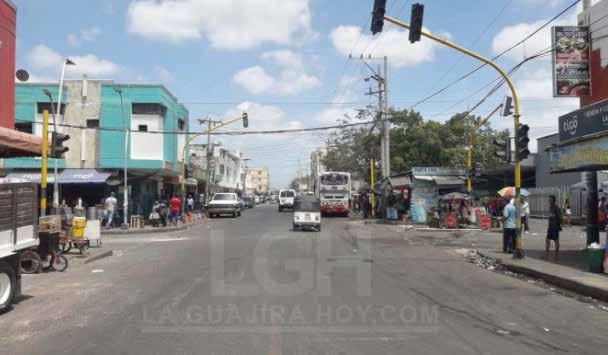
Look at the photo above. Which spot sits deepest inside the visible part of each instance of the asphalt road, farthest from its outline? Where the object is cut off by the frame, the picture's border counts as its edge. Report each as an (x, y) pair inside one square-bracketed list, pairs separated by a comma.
[(250, 285)]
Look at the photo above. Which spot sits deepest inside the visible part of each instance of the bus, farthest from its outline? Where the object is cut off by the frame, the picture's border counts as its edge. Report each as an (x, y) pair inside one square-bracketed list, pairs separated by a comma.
[(333, 190)]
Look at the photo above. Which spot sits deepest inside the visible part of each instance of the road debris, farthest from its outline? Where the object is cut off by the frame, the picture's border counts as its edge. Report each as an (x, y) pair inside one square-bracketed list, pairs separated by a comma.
[(96, 271)]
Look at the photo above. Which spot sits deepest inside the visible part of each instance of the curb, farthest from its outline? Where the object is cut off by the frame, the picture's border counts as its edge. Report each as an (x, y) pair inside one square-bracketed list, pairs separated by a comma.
[(565, 283), (116, 232), (105, 254)]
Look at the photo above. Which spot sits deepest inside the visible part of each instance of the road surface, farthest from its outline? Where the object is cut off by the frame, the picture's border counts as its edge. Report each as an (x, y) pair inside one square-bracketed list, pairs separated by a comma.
[(250, 285)]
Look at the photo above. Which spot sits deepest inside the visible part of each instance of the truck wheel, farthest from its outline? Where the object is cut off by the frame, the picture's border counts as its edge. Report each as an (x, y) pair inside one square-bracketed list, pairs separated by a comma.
[(8, 283), (30, 262), (280, 209)]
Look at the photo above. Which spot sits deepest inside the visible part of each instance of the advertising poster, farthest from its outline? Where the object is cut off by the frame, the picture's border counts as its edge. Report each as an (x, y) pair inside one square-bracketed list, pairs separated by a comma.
[(571, 76)]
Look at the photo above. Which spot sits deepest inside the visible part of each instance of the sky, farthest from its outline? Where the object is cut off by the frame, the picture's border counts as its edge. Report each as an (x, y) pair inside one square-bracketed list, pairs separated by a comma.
[(286, 62)]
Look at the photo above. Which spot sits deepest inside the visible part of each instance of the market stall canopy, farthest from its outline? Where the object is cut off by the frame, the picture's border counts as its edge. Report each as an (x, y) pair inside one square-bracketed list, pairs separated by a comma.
[(399, 181), (30, 177), (18, 144), (442, 180), (455, 196)]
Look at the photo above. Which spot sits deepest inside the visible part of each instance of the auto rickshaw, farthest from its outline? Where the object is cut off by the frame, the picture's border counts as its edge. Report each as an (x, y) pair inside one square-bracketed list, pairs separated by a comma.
[(307, 213)]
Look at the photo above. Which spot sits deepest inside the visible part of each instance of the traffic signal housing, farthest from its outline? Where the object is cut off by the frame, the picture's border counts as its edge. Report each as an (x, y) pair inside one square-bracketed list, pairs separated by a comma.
[(245, 120), (503, 149), (416, 22), (378, 16), (522, 142), (507, 106), (57, 148)]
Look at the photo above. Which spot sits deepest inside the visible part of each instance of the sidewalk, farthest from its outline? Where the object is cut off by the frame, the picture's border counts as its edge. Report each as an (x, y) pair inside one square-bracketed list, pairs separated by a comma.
[(145, 230), (569, 272)]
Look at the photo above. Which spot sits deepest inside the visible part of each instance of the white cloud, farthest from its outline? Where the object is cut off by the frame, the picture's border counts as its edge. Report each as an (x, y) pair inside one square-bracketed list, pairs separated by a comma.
[(42, 57), (85, 35), (541, 41), (291, 79), (164, 74), (393, 43), (236, 24), (255, 80)]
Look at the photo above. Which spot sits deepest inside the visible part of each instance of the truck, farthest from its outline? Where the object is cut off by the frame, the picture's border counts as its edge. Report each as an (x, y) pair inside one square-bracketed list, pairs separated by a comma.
[(18, 232)]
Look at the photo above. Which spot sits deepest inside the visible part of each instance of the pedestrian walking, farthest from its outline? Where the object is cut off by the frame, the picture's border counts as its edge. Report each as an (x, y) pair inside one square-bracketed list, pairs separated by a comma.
[(110, 206), (510, 227), (525, 216), (568, 212), (174, 209), (601, 213), (553, 228)]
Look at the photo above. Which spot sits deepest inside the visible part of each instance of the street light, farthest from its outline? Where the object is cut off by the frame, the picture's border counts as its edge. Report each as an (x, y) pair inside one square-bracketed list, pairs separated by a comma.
[(55, 183), (245, 160), (66, 62), (125, 203)]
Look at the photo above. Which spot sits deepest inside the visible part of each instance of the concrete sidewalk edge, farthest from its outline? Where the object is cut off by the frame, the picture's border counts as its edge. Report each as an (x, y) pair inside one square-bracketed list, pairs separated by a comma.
[(115, 232), (559, 281), (105, 254)]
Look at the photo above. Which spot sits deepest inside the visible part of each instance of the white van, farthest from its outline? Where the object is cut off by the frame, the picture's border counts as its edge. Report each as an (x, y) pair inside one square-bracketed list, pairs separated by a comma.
[(286, 199)]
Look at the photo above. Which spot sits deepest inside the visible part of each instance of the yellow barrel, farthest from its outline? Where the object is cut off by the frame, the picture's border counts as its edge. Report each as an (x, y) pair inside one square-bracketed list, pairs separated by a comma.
[(78, 224)]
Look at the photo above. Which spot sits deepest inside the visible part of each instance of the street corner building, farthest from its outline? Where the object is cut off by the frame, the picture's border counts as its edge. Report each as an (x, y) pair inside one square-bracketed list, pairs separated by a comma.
[(111, 126)]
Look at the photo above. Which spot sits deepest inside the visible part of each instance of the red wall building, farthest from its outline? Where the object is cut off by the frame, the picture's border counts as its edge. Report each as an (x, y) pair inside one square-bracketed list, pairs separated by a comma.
[(8, 26), (594, 16)]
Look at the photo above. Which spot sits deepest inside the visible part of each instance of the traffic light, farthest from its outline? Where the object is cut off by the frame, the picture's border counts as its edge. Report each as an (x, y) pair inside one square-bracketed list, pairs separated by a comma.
[(245, 120), (57, 148), (503, 149), (522, 142), (507, 106), (378, 16), (416, 22)]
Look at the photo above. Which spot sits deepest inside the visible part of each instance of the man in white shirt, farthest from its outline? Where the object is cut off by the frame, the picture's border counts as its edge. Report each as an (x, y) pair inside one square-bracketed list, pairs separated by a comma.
[(110, 205)]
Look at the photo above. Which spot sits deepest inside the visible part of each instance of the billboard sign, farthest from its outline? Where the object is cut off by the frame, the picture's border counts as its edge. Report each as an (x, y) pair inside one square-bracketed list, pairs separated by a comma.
[(588, 155), (571, 73), (589, 120)]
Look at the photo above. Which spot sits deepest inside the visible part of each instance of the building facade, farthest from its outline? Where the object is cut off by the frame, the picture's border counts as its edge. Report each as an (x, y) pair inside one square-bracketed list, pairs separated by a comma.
[(257, 181), (227, 168), (316, 167), (98, 121)]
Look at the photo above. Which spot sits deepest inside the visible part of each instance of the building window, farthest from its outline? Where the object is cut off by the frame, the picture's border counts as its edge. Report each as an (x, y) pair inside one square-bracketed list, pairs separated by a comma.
[(149, 109), (260, 187), (142, 128), (46, 106), (92, 123), (221, 169), (260, 172), (24, 127), (181, 124)]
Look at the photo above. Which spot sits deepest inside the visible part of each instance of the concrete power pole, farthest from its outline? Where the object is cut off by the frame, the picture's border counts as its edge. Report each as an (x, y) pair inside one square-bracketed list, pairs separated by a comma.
[(386, 160)]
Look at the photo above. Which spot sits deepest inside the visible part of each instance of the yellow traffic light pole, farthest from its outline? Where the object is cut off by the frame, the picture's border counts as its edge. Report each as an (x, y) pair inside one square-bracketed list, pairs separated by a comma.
[(45, 153), (472, 143), (187, 143), (518, 245)]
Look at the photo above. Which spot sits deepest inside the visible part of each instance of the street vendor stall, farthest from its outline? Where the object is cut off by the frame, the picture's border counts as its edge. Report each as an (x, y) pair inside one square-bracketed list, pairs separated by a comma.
[(428, 183)]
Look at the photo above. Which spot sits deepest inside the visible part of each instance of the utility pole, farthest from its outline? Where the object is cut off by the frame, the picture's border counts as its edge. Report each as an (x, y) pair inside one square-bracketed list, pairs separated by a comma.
[(382, 116), (209, 154), (386, 163)]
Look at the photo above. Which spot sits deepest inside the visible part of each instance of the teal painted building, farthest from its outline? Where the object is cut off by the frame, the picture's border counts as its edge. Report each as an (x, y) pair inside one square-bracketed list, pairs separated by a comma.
[(95, 114)]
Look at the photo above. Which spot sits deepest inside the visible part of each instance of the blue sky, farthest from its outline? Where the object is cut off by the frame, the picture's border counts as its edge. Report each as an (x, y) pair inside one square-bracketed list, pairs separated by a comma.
[(285, 61)]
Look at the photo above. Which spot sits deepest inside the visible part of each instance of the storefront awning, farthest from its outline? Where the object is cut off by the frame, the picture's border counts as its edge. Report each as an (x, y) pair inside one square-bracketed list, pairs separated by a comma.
[(67, 176), (448, 180), (400, 181), (82, 176), (31, 177)]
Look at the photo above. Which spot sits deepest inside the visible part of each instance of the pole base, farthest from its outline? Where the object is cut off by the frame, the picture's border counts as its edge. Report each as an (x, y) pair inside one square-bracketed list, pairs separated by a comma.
[(124, 226)]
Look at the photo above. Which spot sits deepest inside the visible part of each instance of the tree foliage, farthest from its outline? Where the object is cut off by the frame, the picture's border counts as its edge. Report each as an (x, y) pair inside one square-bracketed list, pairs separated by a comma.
[(414, 142)]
